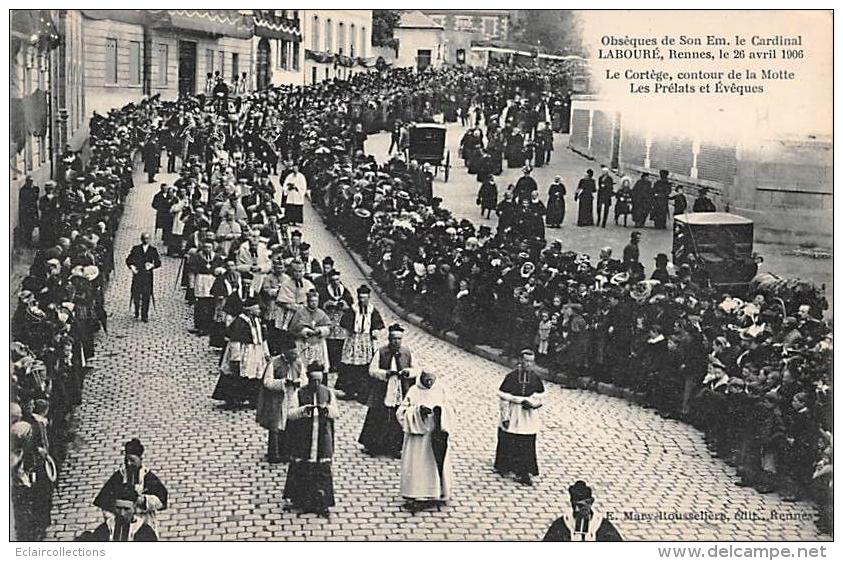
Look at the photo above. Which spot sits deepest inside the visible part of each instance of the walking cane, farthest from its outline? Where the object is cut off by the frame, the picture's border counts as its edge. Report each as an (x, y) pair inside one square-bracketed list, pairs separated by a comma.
[(178, 275)]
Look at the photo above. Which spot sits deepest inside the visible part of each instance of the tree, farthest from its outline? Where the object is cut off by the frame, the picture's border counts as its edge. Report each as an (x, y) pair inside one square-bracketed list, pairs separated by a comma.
[(383, 23), (554, 31)]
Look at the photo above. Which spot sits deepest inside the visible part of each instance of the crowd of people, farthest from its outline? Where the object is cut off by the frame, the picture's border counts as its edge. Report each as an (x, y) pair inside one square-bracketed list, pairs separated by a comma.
[(60, 305), (664, 332), (281, 318), (283, 321)]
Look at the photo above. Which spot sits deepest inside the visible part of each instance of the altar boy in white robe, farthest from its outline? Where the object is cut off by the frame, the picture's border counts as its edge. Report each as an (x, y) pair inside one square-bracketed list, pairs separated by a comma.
[(427, 419)]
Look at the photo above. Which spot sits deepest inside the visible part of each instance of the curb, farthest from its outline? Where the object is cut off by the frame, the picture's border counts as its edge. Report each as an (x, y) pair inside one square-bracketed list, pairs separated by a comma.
[(484, 351)]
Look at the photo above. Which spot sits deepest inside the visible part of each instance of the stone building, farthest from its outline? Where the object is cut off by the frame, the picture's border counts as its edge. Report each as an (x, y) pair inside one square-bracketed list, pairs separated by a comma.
[(421, 41), (462, 27), (277, 47), (47, 102), (337, 43), (67, 64), (132, 53)]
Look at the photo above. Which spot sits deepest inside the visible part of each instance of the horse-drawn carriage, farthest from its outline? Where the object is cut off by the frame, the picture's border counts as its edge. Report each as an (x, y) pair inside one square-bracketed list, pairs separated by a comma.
[(427, 146), (720, 243)]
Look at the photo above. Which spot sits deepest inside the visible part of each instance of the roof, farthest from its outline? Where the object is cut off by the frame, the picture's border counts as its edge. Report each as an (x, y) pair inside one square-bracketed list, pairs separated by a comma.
[(417, 20), (712, 218)]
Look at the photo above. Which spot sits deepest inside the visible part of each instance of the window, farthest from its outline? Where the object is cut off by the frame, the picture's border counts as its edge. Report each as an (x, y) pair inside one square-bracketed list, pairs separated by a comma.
[(489, 26), (296, 48), (111, 61), (235, 65), (42, 71), (221, 65), (163, 64), (423, 58), (364, 42), (135, 63), (284, 54), (314, 38), (341, 38), (353, 44), (463, 23), (329, 35), (209, 61)]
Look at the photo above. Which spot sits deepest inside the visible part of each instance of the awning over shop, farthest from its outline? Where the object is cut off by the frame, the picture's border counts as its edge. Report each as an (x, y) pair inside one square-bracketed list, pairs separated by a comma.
[(135, 17), (521, 49), (276, 30), (217, 23)]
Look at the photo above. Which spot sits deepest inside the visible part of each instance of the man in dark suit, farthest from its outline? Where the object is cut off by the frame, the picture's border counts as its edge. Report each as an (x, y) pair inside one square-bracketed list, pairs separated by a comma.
[(605, 192), (143, 259)]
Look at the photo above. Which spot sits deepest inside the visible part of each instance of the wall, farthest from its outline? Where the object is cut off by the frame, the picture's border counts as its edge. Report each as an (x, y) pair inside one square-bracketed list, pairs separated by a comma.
[(227, 45), (29, 71), (74, 77), (292, 74), (784, 185), (464, 26), (101, 96), (362, 22), (411, 40)]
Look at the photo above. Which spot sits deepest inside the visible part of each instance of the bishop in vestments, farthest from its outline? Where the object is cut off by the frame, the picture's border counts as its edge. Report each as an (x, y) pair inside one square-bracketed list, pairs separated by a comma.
[(520, 397), (310, 433)]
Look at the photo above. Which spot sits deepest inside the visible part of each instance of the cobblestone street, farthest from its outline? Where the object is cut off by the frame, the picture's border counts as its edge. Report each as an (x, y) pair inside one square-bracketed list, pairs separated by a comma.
[(154, 381)]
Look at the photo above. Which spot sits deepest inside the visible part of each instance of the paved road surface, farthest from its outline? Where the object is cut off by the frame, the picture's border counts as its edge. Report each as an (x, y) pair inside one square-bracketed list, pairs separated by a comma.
[(154, 381)]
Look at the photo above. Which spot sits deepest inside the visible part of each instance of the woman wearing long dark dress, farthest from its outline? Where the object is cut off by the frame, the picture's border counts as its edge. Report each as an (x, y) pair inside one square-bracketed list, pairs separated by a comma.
[(556, 203), (487, 197), (515, 150), (585, 196)]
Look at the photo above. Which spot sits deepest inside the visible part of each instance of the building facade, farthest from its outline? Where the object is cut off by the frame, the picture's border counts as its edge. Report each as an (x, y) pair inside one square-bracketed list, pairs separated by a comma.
[(337, 42), (67, 64), (47, 104), (461, 27), (277, 48), (132, 53), (421, 42), (783, 184)]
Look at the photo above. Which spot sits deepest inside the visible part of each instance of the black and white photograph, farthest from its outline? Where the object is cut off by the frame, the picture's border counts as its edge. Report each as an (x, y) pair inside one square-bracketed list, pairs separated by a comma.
[(423, 275)]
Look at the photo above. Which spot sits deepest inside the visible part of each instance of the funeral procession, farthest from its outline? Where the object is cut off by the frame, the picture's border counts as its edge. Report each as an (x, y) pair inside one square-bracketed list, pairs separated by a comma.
[(376, 275)]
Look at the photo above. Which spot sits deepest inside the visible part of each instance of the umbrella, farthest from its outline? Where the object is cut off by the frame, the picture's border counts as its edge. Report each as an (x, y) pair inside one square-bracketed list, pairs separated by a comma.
[(439, 442)]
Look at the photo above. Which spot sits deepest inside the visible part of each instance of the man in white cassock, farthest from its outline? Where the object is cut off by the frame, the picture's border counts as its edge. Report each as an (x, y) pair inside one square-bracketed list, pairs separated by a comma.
[(427, 419)]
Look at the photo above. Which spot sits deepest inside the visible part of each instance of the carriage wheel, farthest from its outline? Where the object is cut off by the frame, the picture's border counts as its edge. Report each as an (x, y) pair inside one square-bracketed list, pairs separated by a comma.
[(447, 165)]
